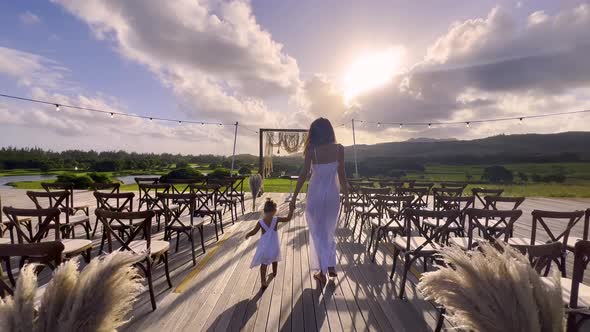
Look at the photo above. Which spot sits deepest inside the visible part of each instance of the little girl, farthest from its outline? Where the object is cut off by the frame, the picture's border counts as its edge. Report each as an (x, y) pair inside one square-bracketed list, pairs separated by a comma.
[(268, 250)]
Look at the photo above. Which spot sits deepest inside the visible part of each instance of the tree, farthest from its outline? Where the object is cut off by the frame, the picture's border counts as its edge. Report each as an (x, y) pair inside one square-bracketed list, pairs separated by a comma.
[(245, 170), (523, 177), (497, 174)]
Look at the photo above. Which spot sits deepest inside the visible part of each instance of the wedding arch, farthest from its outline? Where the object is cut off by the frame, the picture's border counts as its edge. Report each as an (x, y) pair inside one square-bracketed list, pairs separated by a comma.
[(288, 140)]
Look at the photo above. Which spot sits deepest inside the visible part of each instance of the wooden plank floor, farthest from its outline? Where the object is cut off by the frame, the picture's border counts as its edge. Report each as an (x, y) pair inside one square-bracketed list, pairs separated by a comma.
[(222, 293)]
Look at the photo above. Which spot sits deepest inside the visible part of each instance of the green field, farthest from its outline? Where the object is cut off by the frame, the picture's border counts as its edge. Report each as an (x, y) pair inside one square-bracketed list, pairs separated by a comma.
[(577, 183)]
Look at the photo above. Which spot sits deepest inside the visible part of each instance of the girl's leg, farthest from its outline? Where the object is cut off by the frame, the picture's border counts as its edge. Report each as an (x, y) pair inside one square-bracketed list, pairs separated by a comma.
[(263, 275), (332, 272), (274, 268)]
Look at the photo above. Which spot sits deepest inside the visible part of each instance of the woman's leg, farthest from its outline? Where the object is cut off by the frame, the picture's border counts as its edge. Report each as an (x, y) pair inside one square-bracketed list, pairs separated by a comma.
[(274, 268)]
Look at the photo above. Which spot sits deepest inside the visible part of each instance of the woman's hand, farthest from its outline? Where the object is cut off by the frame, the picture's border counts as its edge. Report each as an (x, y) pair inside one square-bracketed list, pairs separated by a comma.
[(292, 203)]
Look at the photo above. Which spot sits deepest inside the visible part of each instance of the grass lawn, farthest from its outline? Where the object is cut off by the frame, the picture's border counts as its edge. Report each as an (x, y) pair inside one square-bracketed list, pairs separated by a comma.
[(577, 182)]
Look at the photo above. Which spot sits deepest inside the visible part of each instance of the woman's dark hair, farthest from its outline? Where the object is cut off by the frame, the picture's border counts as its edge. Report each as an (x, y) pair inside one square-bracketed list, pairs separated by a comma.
[(320, 132), (270, 205)]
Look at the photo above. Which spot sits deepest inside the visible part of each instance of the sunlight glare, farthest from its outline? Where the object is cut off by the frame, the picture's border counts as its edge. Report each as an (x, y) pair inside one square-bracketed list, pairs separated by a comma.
[(371, 71)]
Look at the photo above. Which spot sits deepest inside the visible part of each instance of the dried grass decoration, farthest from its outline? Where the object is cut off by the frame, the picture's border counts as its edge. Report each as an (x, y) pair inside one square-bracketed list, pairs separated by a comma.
[(96, 299), (255, 187), (494, 291)]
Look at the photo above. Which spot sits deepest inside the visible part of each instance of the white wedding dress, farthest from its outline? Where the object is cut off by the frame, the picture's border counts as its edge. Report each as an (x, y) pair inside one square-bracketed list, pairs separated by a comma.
[(323, 203)]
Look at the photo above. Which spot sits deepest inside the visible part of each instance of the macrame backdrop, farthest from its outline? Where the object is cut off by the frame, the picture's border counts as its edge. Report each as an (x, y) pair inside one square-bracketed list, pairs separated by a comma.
[(288, 142)]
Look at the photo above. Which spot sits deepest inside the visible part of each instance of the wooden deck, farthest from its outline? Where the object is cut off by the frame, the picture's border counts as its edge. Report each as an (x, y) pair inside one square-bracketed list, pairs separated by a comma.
[(222, 293)]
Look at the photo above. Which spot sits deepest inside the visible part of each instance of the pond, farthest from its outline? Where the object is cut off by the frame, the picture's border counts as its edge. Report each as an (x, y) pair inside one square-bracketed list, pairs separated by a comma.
[(127, 179)]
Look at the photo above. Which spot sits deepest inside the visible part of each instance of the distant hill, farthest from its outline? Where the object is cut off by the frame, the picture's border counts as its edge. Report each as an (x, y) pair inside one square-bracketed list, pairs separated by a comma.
[(568, 146), (429, 140)]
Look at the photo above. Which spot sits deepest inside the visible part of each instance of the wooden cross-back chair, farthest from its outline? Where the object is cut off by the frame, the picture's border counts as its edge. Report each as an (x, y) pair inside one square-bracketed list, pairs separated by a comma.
[(5, 225), (542, 255), (141, 223), (481, 193), (477, 219), (420, 196), (179, 210), (578, 301), (355, 199), (118, 202), (237, 191), (49, 221), (571, 240), (457, 228), (224, 199), (502, 203), (567, 220), (373, 207), (206, 204), (390, 222), (69, 187), (145, 180), (439, 193), (45, 254), (148, 198), (60, 200), (422, 245)]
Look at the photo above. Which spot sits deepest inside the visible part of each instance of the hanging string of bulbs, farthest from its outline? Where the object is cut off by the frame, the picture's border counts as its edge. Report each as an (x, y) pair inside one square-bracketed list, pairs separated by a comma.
[(60, 106), (466, 123)]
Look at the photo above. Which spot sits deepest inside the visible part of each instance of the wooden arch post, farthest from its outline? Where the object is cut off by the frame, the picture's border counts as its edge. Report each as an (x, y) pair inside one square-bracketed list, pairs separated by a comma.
[(261, 144)]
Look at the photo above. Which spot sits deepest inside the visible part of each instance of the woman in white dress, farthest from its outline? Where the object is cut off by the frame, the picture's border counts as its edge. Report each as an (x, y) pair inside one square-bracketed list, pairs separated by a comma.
[(324, 158)]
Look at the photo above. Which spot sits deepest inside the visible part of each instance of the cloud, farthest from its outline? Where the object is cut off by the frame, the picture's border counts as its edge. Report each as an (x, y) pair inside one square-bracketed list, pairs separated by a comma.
[(488, 68), (28, 69), (29, 18), (212, 54)]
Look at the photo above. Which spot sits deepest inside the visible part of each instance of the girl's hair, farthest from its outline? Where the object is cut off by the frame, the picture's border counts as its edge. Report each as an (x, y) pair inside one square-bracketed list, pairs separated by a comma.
[(270, 205), (320, 132)]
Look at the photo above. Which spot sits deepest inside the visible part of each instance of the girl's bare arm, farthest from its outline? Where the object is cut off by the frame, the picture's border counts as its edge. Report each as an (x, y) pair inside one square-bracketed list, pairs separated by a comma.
[(253, 231), (302, 176), (342, 171), (287, 218)]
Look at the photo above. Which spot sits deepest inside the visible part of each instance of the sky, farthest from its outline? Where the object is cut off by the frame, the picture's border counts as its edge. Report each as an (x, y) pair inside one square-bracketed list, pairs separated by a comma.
[(281, 64)]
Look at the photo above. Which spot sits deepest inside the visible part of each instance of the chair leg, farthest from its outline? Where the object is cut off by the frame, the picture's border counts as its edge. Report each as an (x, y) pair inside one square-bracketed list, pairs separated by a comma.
[(371, 239), (562, 267), (9, 272), (88, 255), (440, 320), (95, 228), (177, 240), (190, 236), (356, 216), (215, 223), (395, 254), (166, 270), (407, 263), (363, 220), (375, 247), (202, 238), (148, 275), (221, 222)]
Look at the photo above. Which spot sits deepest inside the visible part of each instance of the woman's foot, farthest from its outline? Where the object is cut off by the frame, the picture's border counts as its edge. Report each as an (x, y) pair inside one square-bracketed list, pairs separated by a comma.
[(264, 284), (332, 272), (320, 277)]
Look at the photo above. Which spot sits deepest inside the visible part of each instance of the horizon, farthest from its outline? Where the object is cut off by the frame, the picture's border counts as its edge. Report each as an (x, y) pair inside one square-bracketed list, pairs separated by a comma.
[(473, 61)]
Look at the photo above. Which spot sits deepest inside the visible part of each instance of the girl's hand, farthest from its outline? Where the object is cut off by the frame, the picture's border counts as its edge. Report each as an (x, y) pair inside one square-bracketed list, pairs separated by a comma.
[(247, 236)]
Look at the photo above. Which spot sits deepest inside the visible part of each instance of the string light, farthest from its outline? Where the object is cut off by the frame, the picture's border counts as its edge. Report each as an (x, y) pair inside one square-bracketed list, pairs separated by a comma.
[(180, 123), (401, 125), (467, 124), (429, 125), (378, 124), (112, 115), (520, 120), (57, 107)]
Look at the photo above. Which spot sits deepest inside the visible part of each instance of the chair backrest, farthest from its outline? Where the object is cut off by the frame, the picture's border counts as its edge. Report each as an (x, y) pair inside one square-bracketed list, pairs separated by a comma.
[(224, 186), (453, 185), (414, 220), (136, 223), (111, 188), (461, 203), (61, 186), (394, 206), (147, 180), (542, 255), (186, 205), (503, 203), (438, 193), (55, 199), (370, 196), (567, 221), (45, 253), (581, 259), (48, 220), (148, 195), (114, 201), (480, 193), (420, 196), (238, 186), (206, 196), (499, 219)]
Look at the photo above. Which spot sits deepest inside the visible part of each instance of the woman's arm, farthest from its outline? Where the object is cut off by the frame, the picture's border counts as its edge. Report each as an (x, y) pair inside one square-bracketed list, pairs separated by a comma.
[(342, 171), (301, 179), (253, 231), (287, 218)]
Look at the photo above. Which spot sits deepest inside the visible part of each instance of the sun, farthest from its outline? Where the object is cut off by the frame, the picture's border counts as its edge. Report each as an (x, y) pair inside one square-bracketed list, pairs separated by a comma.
[(371, 71)]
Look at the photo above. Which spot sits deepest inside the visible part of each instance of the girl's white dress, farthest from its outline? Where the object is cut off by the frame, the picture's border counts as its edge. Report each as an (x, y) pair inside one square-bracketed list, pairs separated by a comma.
[(268, 250), (323, 203)]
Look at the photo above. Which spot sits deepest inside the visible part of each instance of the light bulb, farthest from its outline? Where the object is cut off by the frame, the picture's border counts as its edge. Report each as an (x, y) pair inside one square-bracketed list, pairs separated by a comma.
[(401, 125), (520, 121), (429, 125), (57, 107), (378, 124), (467, 124), (179, 123), (151, 119), (112, 115)]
